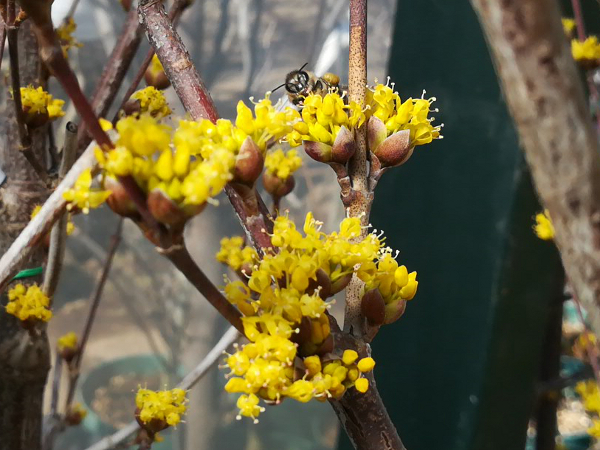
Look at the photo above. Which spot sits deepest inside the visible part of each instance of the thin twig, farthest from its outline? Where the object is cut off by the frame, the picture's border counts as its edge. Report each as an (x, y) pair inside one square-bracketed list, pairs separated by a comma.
[(24, 137), (181, 258), (56, 385), (175, 12), (188, 382), (94, 303), (58, 235)]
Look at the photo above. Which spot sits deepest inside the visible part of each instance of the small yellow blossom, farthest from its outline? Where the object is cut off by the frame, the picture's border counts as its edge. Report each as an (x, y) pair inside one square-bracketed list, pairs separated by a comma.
[(36, 101), (362, 385), (397, 115), (152, 101), (281, 164), (366, 364), (64, 33), (349, 357), (587, 53), (167, 406), (594, 430), (588, 390), (569, 26), (156, 66), (235, 254), (28, 303), (68, 341), (543, 227), (83, 196), (248, 405)]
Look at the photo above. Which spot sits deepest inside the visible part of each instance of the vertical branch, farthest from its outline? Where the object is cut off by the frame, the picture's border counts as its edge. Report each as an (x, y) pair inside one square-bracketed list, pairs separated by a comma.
[(361, 198), (548, 104)]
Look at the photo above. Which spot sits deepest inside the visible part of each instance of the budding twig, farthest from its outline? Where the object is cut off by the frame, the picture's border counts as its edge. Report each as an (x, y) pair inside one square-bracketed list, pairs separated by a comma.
[(197, 101), (13, 53), (188, 382)]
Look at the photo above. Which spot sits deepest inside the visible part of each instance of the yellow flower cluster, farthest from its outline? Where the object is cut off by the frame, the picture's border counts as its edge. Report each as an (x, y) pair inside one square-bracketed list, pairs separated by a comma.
[(159, 158), (284, 307), (67, 342), (83, 196), (152, 101), (282, 165), (588, 390), (587, 52), (412, 114), (166, 406), (266, 126), (393, 282), (70, 224), (323, 117), (65, 36), (28, 303), (235, 254), (36, 101), (543, 226)]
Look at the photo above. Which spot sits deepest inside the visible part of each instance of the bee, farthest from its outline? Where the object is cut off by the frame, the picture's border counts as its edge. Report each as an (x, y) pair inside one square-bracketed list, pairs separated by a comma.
[(301, 83)]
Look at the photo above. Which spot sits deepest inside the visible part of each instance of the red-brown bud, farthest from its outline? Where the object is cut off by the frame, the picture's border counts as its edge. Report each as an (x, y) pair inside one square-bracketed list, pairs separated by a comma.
[(119, 200), (132, 106), (164, 209), (391, 151), (340, 284), (249, 163), (318, 151), (276, 186), (344, 146), (156, 79), (394, 310), (372, 307), (35, 120), (323, 282)]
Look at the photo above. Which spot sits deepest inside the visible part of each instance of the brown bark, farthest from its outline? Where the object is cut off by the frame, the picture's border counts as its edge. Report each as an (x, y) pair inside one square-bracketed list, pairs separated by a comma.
[(24, 357), (549, 107)]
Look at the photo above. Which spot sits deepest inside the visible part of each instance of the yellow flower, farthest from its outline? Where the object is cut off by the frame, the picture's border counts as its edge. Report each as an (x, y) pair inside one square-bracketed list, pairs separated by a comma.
[(323, 117), (68, 341), (587, 53), (412, 114), (543, 227), (248, 405), (594, 430), (568, 26), (82, 195), (64, 33), (588, 390), (152, 101), (166, 406), (36, 101), (28, 303), (362, 385), (281, 164), (235, 254)]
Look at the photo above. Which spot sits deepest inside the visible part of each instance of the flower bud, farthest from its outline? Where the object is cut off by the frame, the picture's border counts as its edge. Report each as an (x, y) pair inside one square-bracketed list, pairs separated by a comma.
[(394, 310), (372, 307), (391, 151), (34, 120), (304, 330), (344, 146), (323, 281), (164, 209), (131, 107), (156, 79), (326, 346), (119, 201), (249, 162), (394, 150), (152, 426), (75, 415), (340, 284), (318, 151), (276, 186)]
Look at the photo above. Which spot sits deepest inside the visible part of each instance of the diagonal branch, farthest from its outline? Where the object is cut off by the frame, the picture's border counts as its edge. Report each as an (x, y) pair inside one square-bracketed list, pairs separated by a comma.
[(547, 102)]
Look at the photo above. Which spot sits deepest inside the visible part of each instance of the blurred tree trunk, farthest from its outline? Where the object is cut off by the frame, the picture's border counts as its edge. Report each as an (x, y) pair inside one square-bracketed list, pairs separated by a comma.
[(24, 356)]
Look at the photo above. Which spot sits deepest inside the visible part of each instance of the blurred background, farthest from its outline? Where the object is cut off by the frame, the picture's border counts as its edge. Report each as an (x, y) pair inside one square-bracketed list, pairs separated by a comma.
[(461, 369)]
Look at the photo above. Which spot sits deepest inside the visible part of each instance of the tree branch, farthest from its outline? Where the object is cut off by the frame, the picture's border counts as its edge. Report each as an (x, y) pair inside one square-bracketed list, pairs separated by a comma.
[(547, 101)]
